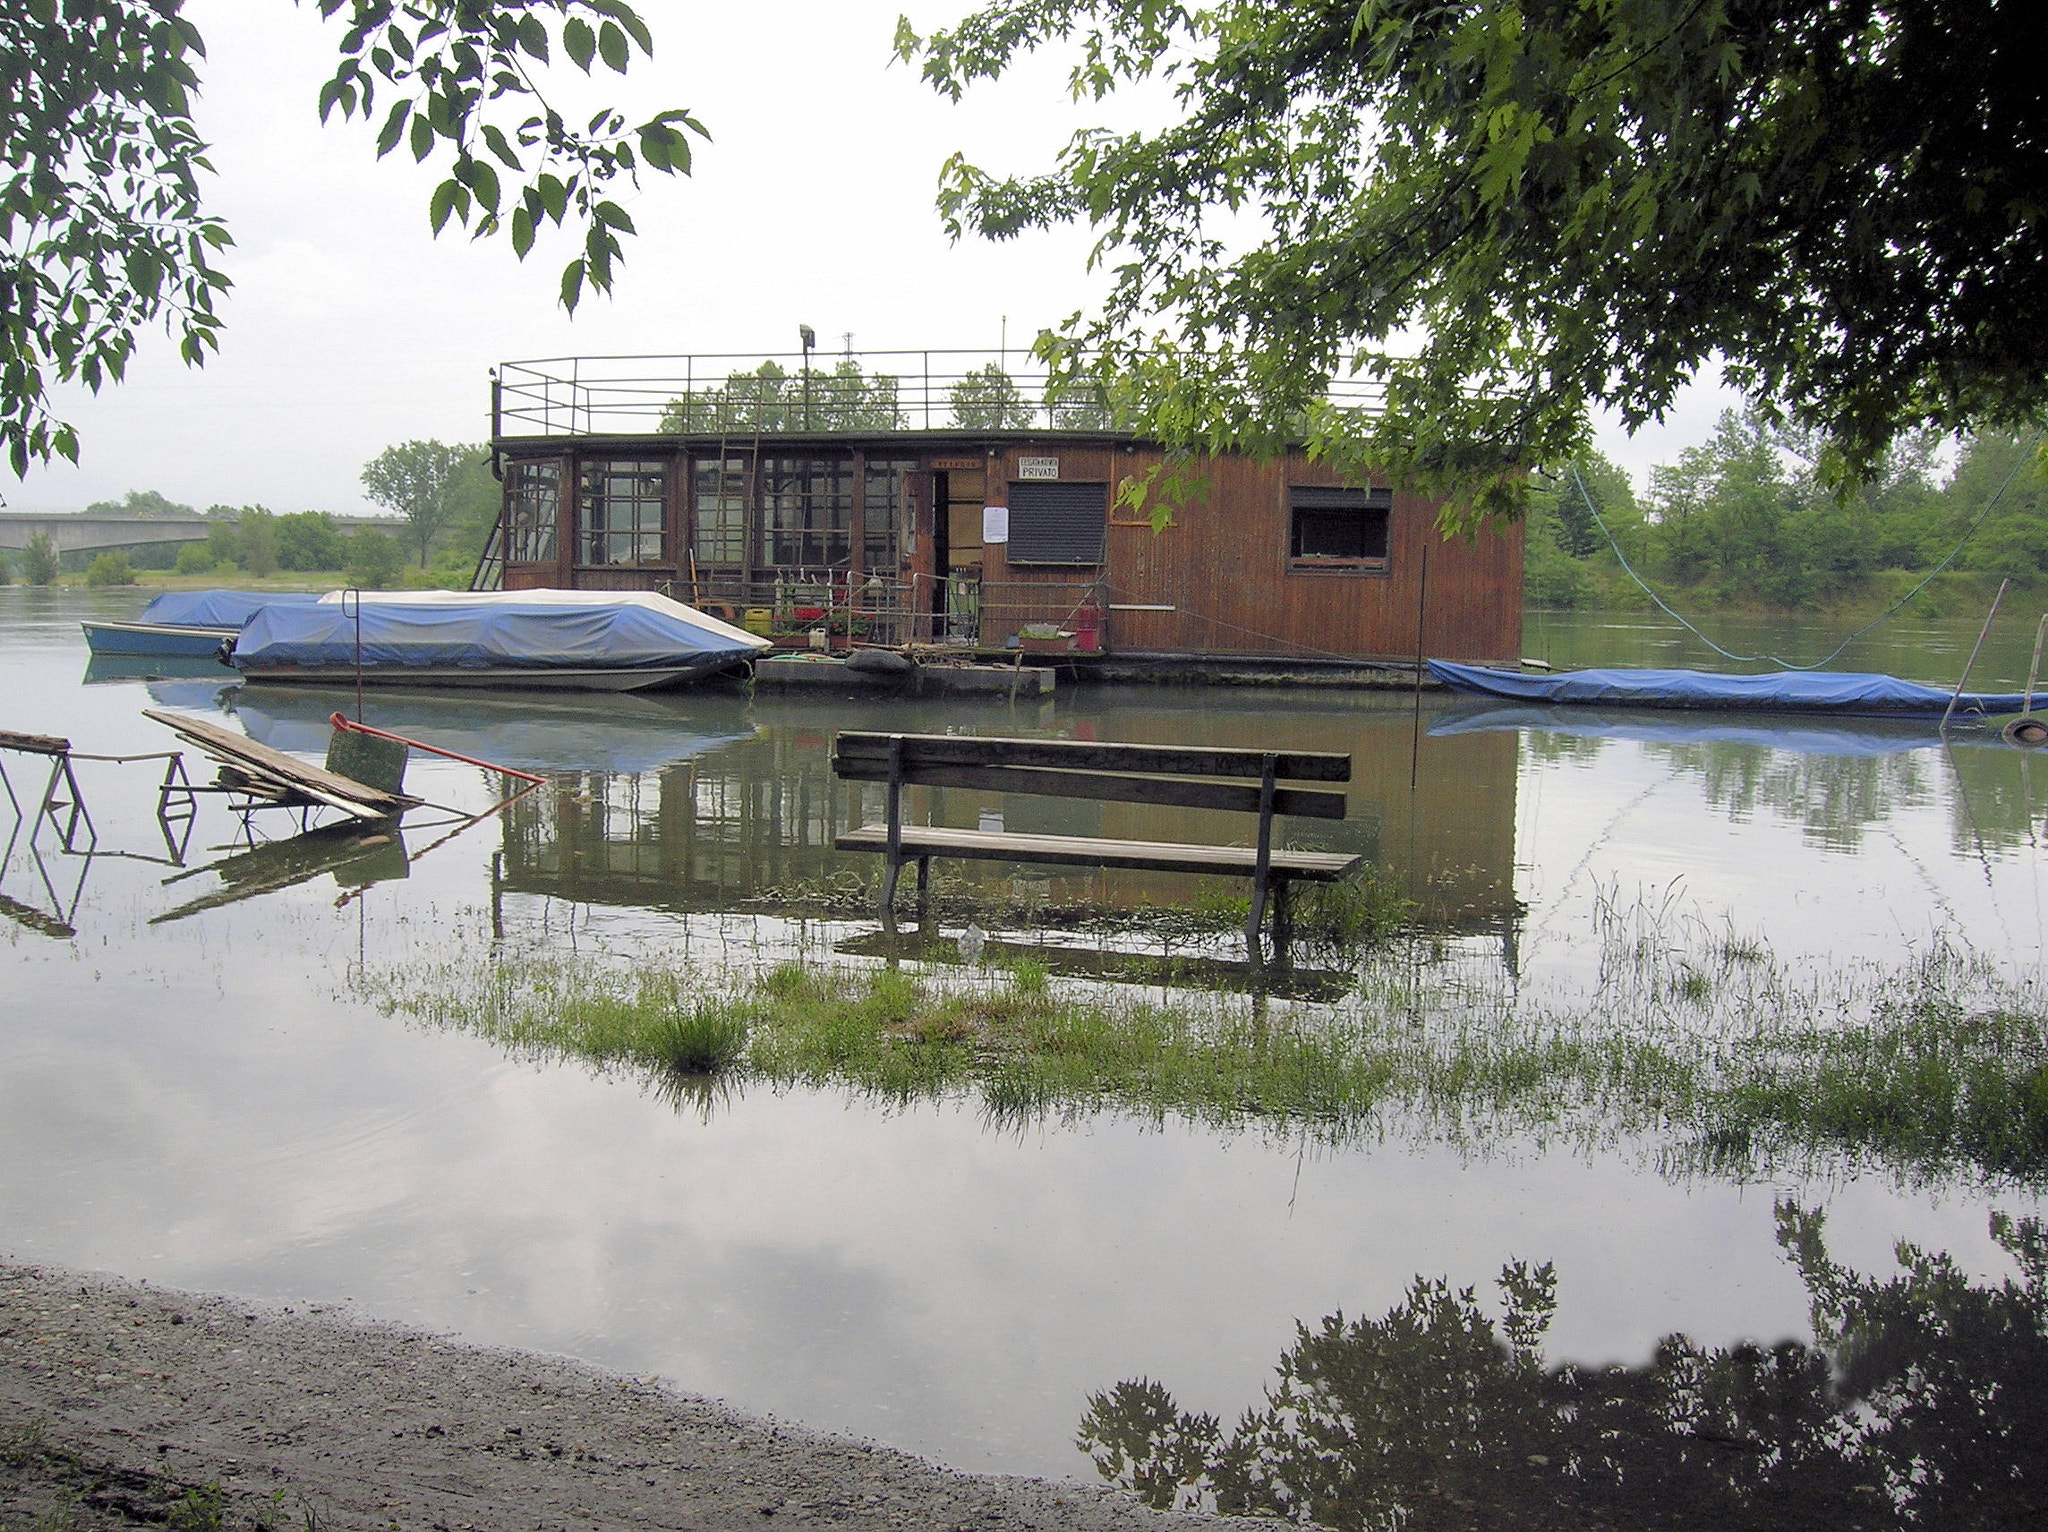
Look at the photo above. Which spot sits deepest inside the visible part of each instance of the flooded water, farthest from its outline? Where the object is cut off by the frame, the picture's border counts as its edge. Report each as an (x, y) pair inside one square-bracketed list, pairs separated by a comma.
[(197, 1087)]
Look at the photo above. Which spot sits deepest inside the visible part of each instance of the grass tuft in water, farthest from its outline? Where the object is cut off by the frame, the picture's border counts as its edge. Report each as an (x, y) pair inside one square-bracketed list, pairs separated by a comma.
[(1702, 1043)]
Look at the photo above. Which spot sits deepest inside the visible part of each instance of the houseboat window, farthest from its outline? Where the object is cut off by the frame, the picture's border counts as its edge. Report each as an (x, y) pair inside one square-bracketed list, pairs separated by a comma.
[(1057, 523), (624, 510), (533, 508), (1337, 529), (806, 512), (719, 497), (885, 509)]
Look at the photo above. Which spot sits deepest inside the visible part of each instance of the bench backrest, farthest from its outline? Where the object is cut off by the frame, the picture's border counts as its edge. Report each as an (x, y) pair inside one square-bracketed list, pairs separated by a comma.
[(1066, 768)]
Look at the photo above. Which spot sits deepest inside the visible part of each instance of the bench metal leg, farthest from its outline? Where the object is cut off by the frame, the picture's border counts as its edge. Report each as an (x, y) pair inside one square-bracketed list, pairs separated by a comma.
[(890, 868), (924, 884), (1283, 914), (1257, 917)]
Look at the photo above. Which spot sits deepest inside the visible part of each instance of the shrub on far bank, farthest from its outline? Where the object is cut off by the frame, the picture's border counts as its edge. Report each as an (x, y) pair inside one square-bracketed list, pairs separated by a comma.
[(110, 569), (374, 559), (195, 559), (39, 563)]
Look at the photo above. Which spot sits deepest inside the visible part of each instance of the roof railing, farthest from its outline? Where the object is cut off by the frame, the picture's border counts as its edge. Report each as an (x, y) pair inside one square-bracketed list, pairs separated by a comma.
[(789, 393)]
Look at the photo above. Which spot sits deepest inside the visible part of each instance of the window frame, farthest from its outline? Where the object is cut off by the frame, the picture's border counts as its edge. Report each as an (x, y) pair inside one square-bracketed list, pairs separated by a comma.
[(1326, 498), (598, 539)]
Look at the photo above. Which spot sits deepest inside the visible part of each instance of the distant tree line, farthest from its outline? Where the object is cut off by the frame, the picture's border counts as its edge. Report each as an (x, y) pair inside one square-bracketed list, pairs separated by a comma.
[(443, 495), (1745, 520)]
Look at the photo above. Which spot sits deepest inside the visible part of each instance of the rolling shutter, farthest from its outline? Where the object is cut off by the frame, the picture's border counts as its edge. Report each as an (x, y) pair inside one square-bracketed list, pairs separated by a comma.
[(1058, 523)]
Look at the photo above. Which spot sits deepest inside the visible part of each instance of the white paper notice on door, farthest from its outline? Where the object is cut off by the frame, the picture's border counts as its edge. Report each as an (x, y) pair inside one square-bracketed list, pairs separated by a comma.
[(995, 523)]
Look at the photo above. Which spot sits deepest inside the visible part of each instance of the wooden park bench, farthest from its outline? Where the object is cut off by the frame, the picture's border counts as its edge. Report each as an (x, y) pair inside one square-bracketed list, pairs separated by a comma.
[(1171, 775)]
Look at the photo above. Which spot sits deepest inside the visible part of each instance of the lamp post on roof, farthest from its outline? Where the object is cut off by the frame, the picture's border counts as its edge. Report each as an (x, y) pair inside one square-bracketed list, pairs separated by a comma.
[(810, 339)]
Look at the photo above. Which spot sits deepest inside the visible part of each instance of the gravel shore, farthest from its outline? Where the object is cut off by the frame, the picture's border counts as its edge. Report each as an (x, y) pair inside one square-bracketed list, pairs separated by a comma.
[(123, 1405)]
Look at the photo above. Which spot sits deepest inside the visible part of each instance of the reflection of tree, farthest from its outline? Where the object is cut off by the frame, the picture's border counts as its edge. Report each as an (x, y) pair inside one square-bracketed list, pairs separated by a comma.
[(1920, 1405), (1836, 797)]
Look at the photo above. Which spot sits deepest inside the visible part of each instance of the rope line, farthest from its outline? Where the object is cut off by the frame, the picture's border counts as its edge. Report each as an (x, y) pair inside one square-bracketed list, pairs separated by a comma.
[(1784, 664)]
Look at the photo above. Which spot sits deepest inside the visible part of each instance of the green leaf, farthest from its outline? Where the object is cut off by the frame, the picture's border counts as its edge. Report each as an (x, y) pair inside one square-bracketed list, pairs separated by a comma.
[(394, 127), (580, 42), (484, 182), (612, 216), (494, 140), (443, 204), (611, 44), (572, 285), (522, 232), (422, 138), (533, 36)]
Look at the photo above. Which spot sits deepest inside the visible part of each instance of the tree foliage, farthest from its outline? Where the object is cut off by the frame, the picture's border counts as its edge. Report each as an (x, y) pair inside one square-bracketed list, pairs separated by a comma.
[(1917, 1406), (1558, 201), (419, 480), (771, 398), (39, 560), (103, 227), (988, 399)]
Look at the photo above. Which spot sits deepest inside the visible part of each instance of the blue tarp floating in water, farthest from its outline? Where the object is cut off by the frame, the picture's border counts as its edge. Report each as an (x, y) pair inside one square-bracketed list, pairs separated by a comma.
[(503, 635), (218, 608), (1846, 693)]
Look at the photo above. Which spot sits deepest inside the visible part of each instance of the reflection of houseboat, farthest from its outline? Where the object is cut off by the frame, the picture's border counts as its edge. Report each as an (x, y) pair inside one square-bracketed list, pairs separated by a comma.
[(754, 819), (613, 641), (932, 496)]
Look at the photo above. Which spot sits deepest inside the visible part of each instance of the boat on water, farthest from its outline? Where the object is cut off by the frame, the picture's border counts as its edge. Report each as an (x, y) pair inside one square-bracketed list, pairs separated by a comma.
[(1840, 693), (192, 624), (547, 640)]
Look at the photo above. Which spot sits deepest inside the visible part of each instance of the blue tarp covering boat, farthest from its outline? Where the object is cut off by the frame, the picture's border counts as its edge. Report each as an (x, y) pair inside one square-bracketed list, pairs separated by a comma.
[(1846, 694), (187, 622), (563, 639), (229, 610)]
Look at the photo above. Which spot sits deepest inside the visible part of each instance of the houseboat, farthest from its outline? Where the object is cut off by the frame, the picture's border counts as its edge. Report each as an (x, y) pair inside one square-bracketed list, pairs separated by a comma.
[(958, 499)]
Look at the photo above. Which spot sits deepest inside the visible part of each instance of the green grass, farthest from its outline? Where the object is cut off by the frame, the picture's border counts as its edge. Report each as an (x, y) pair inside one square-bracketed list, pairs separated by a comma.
[(1695, 1042)]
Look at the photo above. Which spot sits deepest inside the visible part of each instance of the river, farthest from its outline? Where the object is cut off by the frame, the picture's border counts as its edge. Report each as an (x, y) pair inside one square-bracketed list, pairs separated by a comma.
[(198, 1086)]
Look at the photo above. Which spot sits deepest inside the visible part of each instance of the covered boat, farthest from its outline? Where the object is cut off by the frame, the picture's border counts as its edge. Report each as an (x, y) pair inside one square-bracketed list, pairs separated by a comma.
[(1847, 694), (548, 639), (188, 622)]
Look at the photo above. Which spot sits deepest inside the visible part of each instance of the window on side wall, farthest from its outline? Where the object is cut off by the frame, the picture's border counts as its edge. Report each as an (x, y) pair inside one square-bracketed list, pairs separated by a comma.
[(533, 507), (1057, 523), (1337, 531), (625, 511)]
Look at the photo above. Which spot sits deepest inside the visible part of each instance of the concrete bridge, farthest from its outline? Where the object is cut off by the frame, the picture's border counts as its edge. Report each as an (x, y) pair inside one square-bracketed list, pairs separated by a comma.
[(81, 533)]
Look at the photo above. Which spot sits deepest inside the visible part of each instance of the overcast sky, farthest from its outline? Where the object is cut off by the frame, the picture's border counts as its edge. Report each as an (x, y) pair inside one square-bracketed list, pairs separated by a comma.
[(349, 328)]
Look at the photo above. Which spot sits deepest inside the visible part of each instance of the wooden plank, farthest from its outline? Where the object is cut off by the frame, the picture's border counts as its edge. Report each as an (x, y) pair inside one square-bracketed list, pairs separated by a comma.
[(1179, 792), (313, 780), (1088, 851), (34, 744), (1089, 755)]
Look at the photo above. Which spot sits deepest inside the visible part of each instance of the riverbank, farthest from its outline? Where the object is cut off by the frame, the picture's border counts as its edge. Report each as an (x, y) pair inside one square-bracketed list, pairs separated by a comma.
[(125, 1405)]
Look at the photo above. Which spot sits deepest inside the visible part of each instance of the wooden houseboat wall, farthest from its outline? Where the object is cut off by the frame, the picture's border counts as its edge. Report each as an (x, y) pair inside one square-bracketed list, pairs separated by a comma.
[(982, 536)]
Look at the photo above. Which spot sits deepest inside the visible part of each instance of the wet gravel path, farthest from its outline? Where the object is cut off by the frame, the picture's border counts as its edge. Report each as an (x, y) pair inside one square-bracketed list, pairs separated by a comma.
[(125, 1405)]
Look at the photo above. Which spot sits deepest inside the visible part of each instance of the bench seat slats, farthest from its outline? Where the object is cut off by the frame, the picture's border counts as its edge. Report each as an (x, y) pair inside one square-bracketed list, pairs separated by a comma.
[(1301, 802), (1089, 755), (1087, 851)]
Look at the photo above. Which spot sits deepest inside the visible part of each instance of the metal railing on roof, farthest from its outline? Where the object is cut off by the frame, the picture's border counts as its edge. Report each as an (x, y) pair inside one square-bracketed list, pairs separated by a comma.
[(851, 393)]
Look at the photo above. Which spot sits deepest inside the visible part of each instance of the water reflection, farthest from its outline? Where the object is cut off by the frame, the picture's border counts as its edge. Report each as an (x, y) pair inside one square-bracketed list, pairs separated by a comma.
[(751, 816), (358, 855), (1919, 1403), (1837, 779)]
